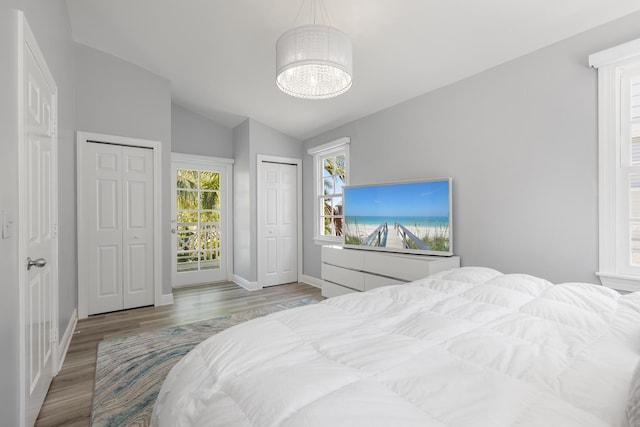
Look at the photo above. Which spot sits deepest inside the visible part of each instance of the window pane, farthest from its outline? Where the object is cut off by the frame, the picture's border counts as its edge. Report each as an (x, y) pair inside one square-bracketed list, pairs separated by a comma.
[(186, 241), (635, 243), (634, 196), (328, 186), (209, 217), (188, 261), (635, 99), (187, 178), (209, 180), (328, 166), (187, 199), (187, 217), (209, 260), (635, 151), (327, 206), (209, 239), (328, 227), (337, 205), (209, 200)]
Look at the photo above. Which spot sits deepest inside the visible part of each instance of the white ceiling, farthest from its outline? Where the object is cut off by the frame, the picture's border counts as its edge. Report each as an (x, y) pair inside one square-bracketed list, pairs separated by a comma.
[(220, 54)]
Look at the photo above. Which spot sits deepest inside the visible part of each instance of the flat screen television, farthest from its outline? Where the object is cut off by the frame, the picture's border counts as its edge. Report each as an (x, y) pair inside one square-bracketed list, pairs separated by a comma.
[(411, 217)]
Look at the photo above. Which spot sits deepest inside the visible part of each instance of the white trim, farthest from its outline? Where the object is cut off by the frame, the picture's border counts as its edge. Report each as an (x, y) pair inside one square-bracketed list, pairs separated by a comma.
[(310, 280), (620, 282), (338, 143), (65, 341), (197, 159), (226, 167), (166, 299), (250, 286), (81, 139), (616, 54), (318, 152), (607, 160), (615, 270), (26, 36), (260, 208)]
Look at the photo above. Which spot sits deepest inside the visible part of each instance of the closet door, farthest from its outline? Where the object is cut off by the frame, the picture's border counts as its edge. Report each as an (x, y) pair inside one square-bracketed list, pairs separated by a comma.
[(103, 227), (278, 243), (137, 221), (118, 226)]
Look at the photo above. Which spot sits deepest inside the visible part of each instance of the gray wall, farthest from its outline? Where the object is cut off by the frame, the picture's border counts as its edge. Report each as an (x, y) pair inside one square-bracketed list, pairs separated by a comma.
[(116, 97), (251, 138), (519, 140), (50, 24), (192, 133)]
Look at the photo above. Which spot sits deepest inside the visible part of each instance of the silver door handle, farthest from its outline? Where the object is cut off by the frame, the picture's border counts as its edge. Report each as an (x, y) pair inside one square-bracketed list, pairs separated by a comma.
[(40, 262)]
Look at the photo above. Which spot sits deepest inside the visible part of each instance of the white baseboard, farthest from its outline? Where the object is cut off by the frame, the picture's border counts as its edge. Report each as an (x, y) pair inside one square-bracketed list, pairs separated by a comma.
[(65, 341), (241, 281), (166, 299), (310, 280)]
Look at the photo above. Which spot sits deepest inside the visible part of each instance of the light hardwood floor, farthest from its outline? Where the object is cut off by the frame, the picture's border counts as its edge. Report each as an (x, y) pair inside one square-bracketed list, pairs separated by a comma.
[(68, 402)]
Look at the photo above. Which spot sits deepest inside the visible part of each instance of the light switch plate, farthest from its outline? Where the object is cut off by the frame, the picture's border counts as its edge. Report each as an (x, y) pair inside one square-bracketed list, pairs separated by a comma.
[(7, 224)]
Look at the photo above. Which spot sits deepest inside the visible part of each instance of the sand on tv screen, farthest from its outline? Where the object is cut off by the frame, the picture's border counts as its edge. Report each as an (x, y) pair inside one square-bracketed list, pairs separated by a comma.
[(413, 217)]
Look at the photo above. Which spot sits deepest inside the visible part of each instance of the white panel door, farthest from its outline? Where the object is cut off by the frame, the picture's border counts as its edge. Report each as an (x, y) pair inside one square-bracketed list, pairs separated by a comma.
[(38, 202), (278, 251), (118, 226), (137, 221), (103, 178)]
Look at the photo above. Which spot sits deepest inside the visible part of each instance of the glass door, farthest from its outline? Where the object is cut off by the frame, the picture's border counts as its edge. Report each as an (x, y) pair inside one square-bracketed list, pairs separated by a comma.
[(198, 225)]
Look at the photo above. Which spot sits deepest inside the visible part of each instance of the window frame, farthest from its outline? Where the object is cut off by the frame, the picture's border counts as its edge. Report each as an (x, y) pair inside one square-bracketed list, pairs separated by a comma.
[(615, 269), (319, 153)]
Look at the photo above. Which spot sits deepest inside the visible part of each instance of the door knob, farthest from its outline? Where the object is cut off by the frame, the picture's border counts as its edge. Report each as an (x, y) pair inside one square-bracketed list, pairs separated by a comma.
[(40, 262)]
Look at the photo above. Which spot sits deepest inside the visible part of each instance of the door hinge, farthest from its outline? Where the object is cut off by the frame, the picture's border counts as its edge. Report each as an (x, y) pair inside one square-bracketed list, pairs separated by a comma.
[(54, 335), (54, 229), (53, 127)]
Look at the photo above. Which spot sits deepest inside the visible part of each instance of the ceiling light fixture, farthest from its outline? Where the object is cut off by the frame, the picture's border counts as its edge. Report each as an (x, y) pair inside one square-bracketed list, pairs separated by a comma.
[(314, 61)]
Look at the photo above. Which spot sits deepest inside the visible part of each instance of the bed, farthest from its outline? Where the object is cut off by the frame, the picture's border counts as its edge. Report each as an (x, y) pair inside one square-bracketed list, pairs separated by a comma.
[(465, 347)]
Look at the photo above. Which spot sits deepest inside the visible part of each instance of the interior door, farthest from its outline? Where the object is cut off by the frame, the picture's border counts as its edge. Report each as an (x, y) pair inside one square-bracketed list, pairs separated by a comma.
[(38, 202), (198, 225), (137, 222), (119, 226), (279, 255)]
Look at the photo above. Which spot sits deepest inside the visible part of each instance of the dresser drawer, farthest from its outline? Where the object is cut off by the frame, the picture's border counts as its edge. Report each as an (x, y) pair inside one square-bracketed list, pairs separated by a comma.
[(344, 277), (372, 281)]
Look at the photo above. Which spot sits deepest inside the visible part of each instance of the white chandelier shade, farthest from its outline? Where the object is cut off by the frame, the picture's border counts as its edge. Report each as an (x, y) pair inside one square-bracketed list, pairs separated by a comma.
[(314, 62)]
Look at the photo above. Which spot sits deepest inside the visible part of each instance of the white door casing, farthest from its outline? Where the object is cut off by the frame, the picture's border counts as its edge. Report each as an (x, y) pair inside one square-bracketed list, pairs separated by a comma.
[(118, 206), (225, 169), (139, 216), (278, 221), (37, 227)]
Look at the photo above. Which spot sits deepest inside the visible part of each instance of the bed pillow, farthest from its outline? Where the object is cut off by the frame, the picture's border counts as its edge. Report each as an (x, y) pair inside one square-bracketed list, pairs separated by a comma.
[(633, 404)]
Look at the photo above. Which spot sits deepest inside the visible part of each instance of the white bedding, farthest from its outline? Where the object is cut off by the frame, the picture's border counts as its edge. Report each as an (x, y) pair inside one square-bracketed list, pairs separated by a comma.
[(468, 347)]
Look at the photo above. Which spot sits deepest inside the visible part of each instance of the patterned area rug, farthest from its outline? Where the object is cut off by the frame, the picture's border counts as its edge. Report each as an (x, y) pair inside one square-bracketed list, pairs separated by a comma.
[(130, 370)]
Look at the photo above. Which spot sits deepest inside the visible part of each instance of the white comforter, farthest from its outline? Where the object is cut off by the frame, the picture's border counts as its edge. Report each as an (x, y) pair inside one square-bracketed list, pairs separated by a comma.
[(468, 347)]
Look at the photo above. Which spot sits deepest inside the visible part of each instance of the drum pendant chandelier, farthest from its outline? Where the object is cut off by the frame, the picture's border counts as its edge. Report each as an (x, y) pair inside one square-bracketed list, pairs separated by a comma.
[(314, 61)]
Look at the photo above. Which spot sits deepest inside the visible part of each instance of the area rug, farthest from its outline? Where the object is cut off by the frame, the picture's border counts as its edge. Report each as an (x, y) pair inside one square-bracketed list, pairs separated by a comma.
[(130, 370)]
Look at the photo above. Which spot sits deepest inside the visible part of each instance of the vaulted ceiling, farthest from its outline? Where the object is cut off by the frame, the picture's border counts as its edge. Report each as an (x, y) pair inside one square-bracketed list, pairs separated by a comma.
[(220, 54)]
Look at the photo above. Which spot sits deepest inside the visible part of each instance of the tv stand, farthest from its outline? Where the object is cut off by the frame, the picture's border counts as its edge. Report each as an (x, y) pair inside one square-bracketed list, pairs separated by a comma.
[(357, 270)]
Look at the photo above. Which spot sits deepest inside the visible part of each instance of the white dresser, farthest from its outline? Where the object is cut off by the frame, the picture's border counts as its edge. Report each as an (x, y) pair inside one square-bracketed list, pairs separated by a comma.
[(357, 270)]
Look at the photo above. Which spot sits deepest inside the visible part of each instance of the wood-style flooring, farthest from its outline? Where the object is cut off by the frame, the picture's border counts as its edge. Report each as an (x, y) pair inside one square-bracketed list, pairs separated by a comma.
[(68, 402)]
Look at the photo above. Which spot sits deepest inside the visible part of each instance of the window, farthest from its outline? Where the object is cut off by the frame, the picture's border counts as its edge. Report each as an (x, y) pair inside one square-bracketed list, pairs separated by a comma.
[(331, 164), (619, 158)]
